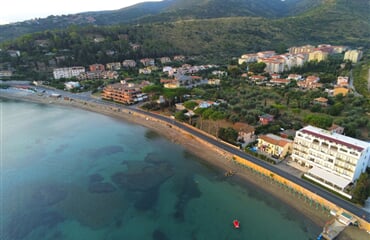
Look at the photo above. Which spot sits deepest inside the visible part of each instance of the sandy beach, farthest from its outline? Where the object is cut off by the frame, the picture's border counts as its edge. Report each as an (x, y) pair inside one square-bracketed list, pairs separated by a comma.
[(214, 156)]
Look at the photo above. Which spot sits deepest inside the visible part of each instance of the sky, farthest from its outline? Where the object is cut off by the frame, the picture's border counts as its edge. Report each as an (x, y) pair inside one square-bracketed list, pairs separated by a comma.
[(20, 10)]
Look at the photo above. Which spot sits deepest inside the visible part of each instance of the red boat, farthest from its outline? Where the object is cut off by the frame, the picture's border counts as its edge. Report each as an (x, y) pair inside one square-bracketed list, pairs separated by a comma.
[(236, 223)]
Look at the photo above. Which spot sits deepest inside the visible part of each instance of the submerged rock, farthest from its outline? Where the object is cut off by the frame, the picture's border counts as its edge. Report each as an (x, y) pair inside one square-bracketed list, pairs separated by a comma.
[(189, 190), (101, 187), (104, 151), (159, 235), (143, 178), (47, 195), (21, 225), (154, 158), (147, 200), (96, 178)]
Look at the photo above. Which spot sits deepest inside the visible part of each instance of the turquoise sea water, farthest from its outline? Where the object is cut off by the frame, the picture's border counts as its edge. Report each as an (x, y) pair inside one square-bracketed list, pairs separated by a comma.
[(72, 174)]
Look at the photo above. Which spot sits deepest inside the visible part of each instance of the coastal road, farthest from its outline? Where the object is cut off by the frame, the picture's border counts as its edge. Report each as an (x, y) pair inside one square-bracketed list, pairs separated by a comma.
[(313, 188)]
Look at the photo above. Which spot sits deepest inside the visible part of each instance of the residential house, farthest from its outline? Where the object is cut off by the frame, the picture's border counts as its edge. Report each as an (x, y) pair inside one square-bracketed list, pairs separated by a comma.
[(258, 78), (169, 70), (334, 160), (340, 90), (206, 104), (321, 101), (165, 60), (42, 43), (248, 58), (274, 145), (5, 73), (129, 63), (219, 73), (145, 71), (311, 82), (172, 84), (71, 85), (275, 75), (179, 58), (245, 132), (14, 53), (342, 81), (113, 66), (280, 81), (99, 39), (134, 46), (353, 55), (147, 62), (214, 81), (266, 119), (180, 107), (296, 77), (336, 129), (97, 67)]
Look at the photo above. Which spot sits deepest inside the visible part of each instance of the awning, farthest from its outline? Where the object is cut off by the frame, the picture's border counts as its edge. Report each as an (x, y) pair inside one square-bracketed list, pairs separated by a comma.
[(332, 178)]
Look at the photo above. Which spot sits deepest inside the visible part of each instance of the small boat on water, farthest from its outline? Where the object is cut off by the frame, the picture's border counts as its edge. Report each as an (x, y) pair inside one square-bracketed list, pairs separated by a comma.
[(236, 223)]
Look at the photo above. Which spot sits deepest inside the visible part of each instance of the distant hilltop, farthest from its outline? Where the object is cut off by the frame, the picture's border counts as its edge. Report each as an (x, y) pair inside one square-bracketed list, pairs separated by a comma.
[(175, 10)]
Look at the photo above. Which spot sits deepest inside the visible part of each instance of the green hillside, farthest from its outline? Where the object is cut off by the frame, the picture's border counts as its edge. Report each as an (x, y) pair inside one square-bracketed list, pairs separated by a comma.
[(164, 11), (217, 38)]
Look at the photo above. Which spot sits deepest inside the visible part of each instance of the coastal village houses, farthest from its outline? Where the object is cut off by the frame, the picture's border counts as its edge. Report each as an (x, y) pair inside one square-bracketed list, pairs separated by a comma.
[(274, 145), (296, 57), (334, 160), (266, 119), (245, 132)]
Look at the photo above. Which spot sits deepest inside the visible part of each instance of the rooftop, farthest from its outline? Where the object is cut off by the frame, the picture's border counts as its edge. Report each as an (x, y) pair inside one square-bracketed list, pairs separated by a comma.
[(276, 140), (335, 137)]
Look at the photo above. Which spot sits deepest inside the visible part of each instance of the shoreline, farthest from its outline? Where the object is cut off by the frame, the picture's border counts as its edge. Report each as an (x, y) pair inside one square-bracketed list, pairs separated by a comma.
[(207, 153)]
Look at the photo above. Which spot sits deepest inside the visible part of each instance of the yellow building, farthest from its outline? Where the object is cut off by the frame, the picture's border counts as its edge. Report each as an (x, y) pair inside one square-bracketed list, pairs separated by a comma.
[(274, 145), (340, 90), (317, 56), (353, 55)]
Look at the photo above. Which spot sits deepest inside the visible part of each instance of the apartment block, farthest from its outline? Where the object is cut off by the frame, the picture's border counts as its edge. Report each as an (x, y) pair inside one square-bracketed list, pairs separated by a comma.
[(334, 160), (126, 93), (68, 72), (353, 55), (318, 55)]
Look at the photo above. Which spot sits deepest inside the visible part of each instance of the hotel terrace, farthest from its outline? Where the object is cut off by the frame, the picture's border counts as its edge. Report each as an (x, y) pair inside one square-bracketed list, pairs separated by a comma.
[(334, 160)]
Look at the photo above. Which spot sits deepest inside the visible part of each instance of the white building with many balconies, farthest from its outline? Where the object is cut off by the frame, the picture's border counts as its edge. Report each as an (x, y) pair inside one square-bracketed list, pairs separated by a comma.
[(334, 160), (67, 72)]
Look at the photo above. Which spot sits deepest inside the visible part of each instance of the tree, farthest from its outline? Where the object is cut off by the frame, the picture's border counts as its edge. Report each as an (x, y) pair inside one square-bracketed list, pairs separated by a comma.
[(190, 104), (180, 116), (321, 121), (362, 189), (257, 67), (228, 134)]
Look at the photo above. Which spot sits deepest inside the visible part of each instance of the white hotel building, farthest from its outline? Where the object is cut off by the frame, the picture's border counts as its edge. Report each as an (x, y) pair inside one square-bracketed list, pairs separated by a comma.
[(67, 72), (334, 160)]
